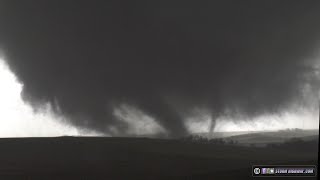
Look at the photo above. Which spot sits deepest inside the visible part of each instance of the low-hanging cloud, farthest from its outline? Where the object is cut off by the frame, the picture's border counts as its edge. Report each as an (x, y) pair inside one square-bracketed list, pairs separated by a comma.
[(88, 58)]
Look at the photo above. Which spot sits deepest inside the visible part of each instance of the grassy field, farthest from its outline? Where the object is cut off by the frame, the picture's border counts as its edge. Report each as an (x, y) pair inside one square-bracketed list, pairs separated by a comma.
[(141, 158)]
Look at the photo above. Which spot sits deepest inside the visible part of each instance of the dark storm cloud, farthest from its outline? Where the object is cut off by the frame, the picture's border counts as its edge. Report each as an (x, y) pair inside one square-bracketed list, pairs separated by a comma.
[(230, 57)]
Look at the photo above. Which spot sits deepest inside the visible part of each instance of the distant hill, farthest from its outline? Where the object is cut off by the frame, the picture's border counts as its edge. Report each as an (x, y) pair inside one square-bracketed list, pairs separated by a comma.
[(264, 137)]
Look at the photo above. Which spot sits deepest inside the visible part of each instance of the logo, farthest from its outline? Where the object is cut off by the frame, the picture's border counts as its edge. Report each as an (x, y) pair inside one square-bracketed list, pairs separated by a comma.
[(270, 170), (256, 171)]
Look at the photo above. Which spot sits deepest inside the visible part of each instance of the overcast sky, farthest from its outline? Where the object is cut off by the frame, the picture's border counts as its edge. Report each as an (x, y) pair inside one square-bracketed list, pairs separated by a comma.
[(152, 67)]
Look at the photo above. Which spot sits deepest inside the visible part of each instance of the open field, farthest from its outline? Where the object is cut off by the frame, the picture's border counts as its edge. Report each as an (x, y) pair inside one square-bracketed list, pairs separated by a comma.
[(140, 158)]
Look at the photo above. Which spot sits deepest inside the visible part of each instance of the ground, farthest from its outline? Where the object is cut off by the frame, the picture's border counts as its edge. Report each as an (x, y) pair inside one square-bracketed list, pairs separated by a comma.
[(141, 158)]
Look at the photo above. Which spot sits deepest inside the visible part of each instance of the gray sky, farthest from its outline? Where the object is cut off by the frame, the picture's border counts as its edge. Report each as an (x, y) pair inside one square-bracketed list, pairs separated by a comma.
[(108, 67)]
